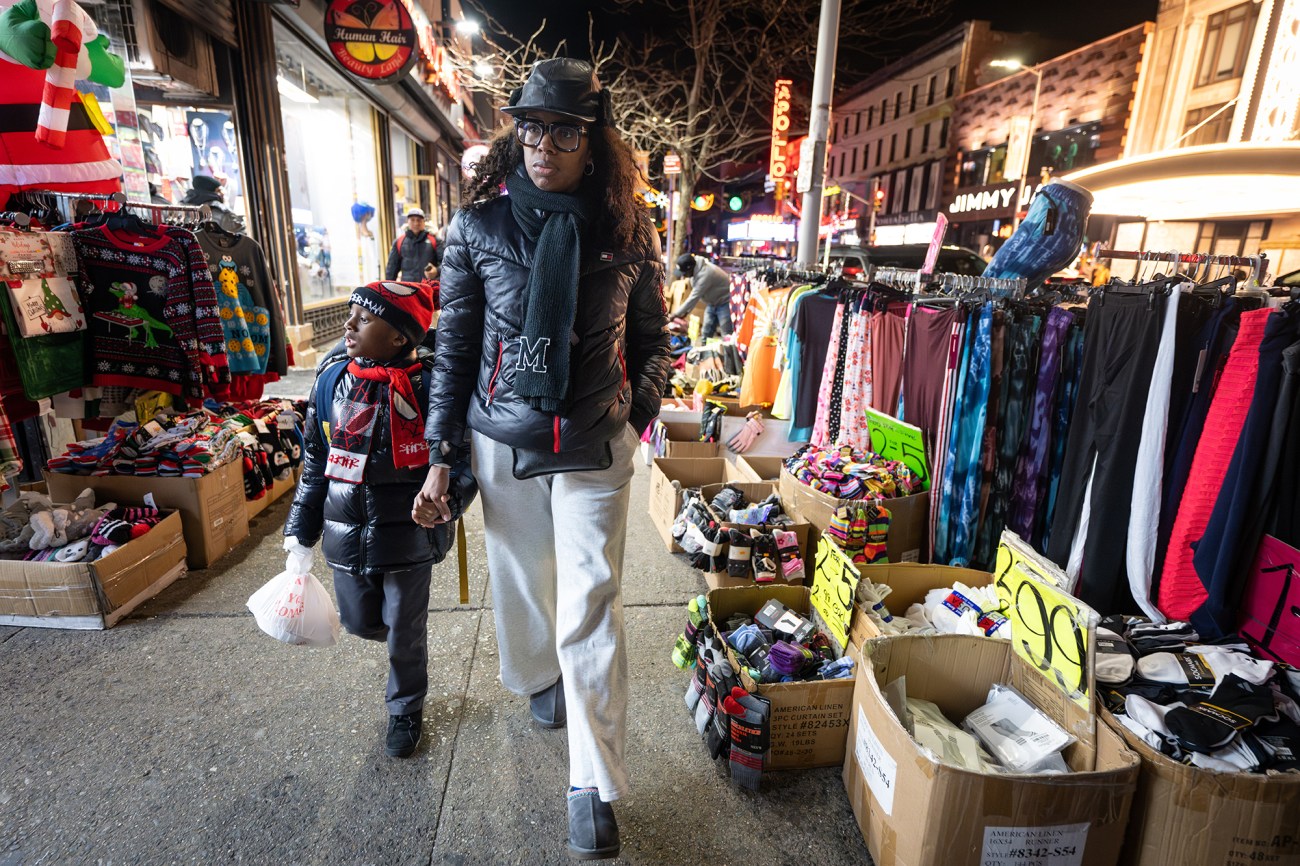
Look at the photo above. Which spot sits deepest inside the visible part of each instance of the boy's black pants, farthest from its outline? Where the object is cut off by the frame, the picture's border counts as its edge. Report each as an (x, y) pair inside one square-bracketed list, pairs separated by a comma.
[(393, 607)]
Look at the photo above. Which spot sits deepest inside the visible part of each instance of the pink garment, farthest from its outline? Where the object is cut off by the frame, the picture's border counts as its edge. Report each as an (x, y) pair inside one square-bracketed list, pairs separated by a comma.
[(821, 425), (1181, 590), (857, 385)]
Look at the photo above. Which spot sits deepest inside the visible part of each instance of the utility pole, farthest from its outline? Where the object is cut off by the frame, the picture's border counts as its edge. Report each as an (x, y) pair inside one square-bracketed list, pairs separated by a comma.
[(823, 86), (872, 207)]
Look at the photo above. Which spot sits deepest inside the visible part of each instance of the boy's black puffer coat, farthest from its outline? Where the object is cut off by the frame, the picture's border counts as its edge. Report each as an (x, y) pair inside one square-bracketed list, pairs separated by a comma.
[(367, 528), (619, 355)]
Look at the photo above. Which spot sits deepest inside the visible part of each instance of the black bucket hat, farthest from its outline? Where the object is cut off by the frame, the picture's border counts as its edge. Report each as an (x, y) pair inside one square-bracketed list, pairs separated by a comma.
[(562, 86)]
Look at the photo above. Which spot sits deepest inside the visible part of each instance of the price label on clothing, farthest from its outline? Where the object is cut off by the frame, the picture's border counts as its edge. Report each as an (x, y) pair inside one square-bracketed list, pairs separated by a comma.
[(894, 440), (835, 582), (1050, 629)]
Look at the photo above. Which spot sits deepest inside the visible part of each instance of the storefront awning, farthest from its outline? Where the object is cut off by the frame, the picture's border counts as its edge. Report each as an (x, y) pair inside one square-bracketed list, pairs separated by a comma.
[(1217, 181)]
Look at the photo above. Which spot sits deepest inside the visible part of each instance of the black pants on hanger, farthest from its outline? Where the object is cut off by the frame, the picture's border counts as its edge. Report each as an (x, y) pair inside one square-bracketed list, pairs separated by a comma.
[(1121, 339)]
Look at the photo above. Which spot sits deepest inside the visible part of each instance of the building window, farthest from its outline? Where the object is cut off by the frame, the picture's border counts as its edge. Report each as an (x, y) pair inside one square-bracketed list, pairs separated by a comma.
[(982, 167), (1227, 39), (853, 162), (841, 171), (929, 95), (916, 88), (1217, 120), (907, 145), (893, 147), (943, 134), (925, 138), (880, 146), (952, 82), (1065, 150), (871, 116), (884, 110), (857, 122), (898, 105)]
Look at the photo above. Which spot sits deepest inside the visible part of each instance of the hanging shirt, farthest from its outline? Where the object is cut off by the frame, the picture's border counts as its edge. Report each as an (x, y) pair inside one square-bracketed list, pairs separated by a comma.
[(257, 292)]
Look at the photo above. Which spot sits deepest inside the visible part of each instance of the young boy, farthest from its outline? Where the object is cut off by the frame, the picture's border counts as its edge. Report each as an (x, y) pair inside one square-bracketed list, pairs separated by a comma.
[(365, 460)]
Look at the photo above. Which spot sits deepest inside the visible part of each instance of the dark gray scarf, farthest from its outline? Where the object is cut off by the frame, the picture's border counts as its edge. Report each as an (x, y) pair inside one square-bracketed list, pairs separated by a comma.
[(554, 221)]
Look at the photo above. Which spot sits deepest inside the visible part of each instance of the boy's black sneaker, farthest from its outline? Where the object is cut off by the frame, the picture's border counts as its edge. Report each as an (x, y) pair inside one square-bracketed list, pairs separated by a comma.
[(403, 734)]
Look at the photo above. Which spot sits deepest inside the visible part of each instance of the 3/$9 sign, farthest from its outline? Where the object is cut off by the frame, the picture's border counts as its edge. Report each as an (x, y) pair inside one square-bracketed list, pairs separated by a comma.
[(372, 39), (1050, 629)]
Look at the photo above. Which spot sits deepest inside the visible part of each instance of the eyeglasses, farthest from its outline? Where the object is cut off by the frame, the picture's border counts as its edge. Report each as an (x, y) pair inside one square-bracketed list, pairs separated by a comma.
[(567, 137)]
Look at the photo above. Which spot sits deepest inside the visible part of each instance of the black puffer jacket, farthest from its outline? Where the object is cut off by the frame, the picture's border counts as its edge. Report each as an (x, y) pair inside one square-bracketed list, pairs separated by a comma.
[(619, 353), (366, 528)]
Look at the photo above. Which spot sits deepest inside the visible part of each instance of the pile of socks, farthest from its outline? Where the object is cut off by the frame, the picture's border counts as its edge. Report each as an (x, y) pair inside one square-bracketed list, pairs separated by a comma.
[(187, 445), (743, 539), (862, 532), (1210, 705), (847, 473), (959, 609)]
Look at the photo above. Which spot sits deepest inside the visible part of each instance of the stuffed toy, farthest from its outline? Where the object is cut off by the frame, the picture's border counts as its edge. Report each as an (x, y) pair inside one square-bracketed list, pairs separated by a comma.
[(84, 514), (16, 529), (49, 528)]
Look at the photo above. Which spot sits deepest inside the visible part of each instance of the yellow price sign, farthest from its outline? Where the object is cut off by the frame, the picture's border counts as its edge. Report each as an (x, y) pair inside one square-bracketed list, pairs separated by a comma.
[(835, 583), (1050, 629), (894, 440), (1013, 551)]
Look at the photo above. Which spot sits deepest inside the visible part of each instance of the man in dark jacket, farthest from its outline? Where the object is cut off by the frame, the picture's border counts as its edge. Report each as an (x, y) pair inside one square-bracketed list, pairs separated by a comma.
[(414, 249), (710, 284), (365, 460)]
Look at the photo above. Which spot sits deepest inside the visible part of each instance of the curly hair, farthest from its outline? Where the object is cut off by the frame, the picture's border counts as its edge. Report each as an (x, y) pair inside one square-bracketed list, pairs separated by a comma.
[(613, 183)]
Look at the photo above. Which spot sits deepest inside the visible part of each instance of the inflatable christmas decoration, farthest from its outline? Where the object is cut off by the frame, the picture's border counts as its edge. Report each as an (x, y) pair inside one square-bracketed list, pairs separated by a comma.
[(51, 138)]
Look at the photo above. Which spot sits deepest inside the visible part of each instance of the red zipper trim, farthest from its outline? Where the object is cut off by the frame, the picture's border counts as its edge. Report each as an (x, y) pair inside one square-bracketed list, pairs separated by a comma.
[(622, 363), (492, 383), (557, 434)]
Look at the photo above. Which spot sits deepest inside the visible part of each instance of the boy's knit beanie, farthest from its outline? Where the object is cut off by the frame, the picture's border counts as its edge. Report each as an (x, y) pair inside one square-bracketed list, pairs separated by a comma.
[(408, 307)]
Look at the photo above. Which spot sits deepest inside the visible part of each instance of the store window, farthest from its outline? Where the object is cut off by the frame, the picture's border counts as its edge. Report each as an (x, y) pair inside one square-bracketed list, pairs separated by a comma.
[(182, 142), (982, 167), (332, 156), (1227, 41), (1209, 125), (1066, 150)]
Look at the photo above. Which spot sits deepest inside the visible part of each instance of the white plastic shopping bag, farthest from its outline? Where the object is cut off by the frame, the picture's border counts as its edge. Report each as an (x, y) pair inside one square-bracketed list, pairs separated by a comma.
[(293, 606)]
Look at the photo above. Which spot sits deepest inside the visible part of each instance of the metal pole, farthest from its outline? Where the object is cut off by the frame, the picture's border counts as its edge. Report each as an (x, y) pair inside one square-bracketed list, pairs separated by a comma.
[(819, 126), (672, 218), (1029, 146), (871, 211)]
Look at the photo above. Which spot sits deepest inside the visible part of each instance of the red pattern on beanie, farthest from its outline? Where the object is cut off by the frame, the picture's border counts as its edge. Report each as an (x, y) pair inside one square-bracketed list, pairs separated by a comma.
[(408, 307)]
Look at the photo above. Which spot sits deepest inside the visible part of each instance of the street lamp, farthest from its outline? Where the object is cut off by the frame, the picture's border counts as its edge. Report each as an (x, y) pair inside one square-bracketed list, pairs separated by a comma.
[(484, 69), (1018, 66), (467, 27)]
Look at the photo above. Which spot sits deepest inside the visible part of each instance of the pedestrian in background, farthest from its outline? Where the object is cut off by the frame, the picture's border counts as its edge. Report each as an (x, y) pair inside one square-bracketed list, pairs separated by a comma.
[(562, 282), (712, 285), (414, 249)]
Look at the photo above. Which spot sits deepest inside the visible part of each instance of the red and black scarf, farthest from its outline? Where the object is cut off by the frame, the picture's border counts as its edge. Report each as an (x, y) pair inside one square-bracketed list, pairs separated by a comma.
[(350, 440)]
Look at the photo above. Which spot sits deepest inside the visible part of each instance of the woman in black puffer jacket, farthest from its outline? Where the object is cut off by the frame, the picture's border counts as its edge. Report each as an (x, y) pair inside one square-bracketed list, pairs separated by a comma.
[(552, 349)]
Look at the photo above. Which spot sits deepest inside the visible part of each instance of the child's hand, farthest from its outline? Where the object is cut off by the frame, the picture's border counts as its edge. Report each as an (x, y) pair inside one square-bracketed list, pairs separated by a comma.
[(430, 507)]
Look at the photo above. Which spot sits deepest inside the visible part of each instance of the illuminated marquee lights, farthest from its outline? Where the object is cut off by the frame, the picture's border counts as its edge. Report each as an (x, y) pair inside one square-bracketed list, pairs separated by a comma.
[(778, 167)]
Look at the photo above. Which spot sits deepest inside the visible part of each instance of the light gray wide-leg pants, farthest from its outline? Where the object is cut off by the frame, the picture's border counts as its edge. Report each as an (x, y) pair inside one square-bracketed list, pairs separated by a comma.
[(555, 554)]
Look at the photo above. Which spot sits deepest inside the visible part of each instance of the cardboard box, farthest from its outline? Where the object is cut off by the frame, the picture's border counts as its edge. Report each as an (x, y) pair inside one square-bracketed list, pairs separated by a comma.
[(909, 517), (213, 513), (255, 507), (809, 719), (760, 468), (684, 441), (1194, 817), (92, 595), (910, 581), (665, 499), (914, 811), (802, 530)]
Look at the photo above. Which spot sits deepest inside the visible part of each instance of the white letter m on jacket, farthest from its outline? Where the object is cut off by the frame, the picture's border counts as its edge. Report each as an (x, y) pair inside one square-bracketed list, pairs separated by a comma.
[(532, 356)]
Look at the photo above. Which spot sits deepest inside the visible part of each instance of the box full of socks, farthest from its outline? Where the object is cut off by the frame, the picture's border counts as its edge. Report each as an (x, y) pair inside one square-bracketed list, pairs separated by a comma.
[(907, 597), (1217, 728), (776, 652), (978, 794), (681, 439), (671, 477), (213, 514), (815, 482), (739, 534), (128, 556)]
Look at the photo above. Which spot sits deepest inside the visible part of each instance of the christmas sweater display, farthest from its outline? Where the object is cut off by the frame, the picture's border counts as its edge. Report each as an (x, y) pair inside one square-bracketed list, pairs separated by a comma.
[(51, 136), (152, 312), (36, 268), (240, 261)]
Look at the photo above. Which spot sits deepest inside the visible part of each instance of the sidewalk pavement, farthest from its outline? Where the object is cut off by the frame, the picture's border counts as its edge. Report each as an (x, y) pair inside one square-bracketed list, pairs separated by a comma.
[(185, 735)]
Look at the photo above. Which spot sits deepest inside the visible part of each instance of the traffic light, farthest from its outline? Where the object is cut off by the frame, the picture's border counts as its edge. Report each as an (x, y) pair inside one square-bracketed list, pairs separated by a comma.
[(879, 200), (735, 203)]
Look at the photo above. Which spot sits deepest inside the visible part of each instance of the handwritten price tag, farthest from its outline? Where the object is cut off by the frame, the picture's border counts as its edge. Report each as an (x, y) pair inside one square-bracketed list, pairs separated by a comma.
[(835, 581), (894, 440), (1050, 629)]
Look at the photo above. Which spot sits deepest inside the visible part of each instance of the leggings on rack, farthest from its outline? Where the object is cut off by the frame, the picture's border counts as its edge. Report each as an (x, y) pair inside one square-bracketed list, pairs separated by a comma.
[(1280, 518), (1071, 369), (886, 359), (989, 449), (941, 491), (1031, 477), (1018, 381), (962, 477), (925, 369), (1122, 338)]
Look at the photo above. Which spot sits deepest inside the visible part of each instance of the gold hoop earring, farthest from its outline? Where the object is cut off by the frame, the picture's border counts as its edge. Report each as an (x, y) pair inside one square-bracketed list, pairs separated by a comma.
[(590, 169)]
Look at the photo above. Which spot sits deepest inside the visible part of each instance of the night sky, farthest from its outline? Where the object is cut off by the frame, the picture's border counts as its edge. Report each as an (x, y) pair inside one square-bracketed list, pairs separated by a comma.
[(1079, 21)]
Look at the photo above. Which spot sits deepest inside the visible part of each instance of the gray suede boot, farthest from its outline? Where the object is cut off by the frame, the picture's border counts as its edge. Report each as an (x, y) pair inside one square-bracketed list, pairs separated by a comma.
[(548, 706), (593, 833)]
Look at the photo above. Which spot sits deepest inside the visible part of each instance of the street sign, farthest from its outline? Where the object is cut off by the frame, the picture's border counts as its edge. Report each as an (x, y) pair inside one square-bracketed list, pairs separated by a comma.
[(672, 163)]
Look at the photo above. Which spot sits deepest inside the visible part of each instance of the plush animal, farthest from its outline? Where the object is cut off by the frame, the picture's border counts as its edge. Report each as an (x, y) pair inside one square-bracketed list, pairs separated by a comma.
[(84, 514), (16, 528)]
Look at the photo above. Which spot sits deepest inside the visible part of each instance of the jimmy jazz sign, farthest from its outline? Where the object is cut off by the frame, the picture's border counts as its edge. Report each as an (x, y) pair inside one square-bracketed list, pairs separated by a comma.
[(989, 202), (372, 39)]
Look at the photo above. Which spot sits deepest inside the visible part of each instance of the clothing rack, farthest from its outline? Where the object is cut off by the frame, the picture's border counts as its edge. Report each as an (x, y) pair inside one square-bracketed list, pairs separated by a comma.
[(917, 281), (1257, 263), (74, 206)]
